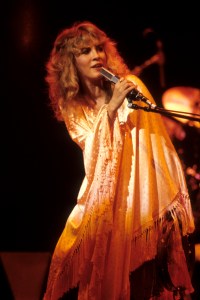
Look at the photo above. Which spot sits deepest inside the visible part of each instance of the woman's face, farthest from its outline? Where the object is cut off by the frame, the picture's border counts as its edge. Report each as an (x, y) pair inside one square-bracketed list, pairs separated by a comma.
[(90, 61)]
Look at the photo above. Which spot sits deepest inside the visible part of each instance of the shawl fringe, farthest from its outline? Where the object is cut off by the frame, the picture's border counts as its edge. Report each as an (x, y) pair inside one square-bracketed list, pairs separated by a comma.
[(144, 246)]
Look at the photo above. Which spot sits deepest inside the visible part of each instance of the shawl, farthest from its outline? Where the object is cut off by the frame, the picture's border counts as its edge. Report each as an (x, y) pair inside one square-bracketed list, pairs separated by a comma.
[(133, 178)]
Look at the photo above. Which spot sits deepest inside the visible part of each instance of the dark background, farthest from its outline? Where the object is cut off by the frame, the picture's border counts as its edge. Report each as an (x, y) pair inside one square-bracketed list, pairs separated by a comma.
[(41, 168)]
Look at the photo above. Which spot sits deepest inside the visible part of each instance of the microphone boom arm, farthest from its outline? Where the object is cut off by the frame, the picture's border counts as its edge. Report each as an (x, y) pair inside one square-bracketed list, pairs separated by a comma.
[(135, 95), (166, 112)]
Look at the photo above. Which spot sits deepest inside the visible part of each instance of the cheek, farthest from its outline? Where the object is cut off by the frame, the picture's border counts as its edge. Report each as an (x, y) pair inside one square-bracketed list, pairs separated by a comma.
[(81, 62), (103, 56)]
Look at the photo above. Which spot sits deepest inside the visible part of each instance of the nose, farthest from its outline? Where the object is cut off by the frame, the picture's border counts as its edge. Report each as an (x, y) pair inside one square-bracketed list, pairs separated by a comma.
[(95, 52)]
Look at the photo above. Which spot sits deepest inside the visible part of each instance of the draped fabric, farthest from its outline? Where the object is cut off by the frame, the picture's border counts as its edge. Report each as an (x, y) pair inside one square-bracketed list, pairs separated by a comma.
[(133, 178)]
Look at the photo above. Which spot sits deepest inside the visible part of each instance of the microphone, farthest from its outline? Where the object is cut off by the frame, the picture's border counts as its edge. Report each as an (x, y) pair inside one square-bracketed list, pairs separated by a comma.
[(133, 95)]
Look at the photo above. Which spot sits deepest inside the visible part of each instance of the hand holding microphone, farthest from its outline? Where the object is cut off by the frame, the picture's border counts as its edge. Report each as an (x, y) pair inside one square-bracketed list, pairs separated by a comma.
[(121, 91), (130, 92)]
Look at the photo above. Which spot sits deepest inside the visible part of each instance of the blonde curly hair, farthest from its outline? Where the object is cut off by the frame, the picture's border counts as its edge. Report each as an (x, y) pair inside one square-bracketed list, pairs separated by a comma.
[(62, 78)]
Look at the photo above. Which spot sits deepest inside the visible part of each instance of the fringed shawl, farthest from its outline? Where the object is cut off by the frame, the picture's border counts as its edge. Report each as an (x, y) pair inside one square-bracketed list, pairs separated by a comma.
[(133, 177)]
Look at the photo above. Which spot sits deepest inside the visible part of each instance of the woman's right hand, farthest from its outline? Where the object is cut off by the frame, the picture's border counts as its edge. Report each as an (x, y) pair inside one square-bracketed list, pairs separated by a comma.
[(120, 91)]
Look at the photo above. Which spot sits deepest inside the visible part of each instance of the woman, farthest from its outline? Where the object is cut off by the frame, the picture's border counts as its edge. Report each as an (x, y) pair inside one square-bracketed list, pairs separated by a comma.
[(133, 200)]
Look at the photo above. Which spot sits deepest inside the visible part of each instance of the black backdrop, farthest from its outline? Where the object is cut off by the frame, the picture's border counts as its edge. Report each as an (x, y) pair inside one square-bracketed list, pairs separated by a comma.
[(41, 169)]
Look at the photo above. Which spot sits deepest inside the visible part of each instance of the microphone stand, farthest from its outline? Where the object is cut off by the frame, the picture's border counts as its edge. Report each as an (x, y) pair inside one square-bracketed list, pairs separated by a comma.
[(156, 109)]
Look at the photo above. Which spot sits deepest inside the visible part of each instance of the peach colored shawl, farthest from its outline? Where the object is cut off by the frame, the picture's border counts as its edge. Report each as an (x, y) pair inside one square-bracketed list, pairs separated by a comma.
[(133, 176)]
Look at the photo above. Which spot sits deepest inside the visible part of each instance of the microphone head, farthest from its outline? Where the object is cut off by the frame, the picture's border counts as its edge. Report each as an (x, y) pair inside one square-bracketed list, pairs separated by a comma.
[(108, 75)]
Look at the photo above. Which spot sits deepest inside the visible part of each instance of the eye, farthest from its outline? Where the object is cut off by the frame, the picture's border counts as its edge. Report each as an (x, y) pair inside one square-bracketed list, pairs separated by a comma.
[(99, 48), (85, 50)]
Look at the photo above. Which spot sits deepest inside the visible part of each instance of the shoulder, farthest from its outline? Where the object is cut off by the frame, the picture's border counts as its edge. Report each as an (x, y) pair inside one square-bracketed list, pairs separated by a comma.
[(140, 86), (136, 80)]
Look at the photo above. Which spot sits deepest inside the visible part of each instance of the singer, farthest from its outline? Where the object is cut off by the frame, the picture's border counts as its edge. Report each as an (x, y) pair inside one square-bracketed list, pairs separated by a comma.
[(123, 238)]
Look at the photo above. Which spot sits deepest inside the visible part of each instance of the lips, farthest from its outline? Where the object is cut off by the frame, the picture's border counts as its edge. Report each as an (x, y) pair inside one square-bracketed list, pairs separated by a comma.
[(97, 66)]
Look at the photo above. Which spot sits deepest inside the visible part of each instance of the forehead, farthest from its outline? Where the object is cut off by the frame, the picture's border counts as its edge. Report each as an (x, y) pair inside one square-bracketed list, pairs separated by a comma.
[(87, 40)]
